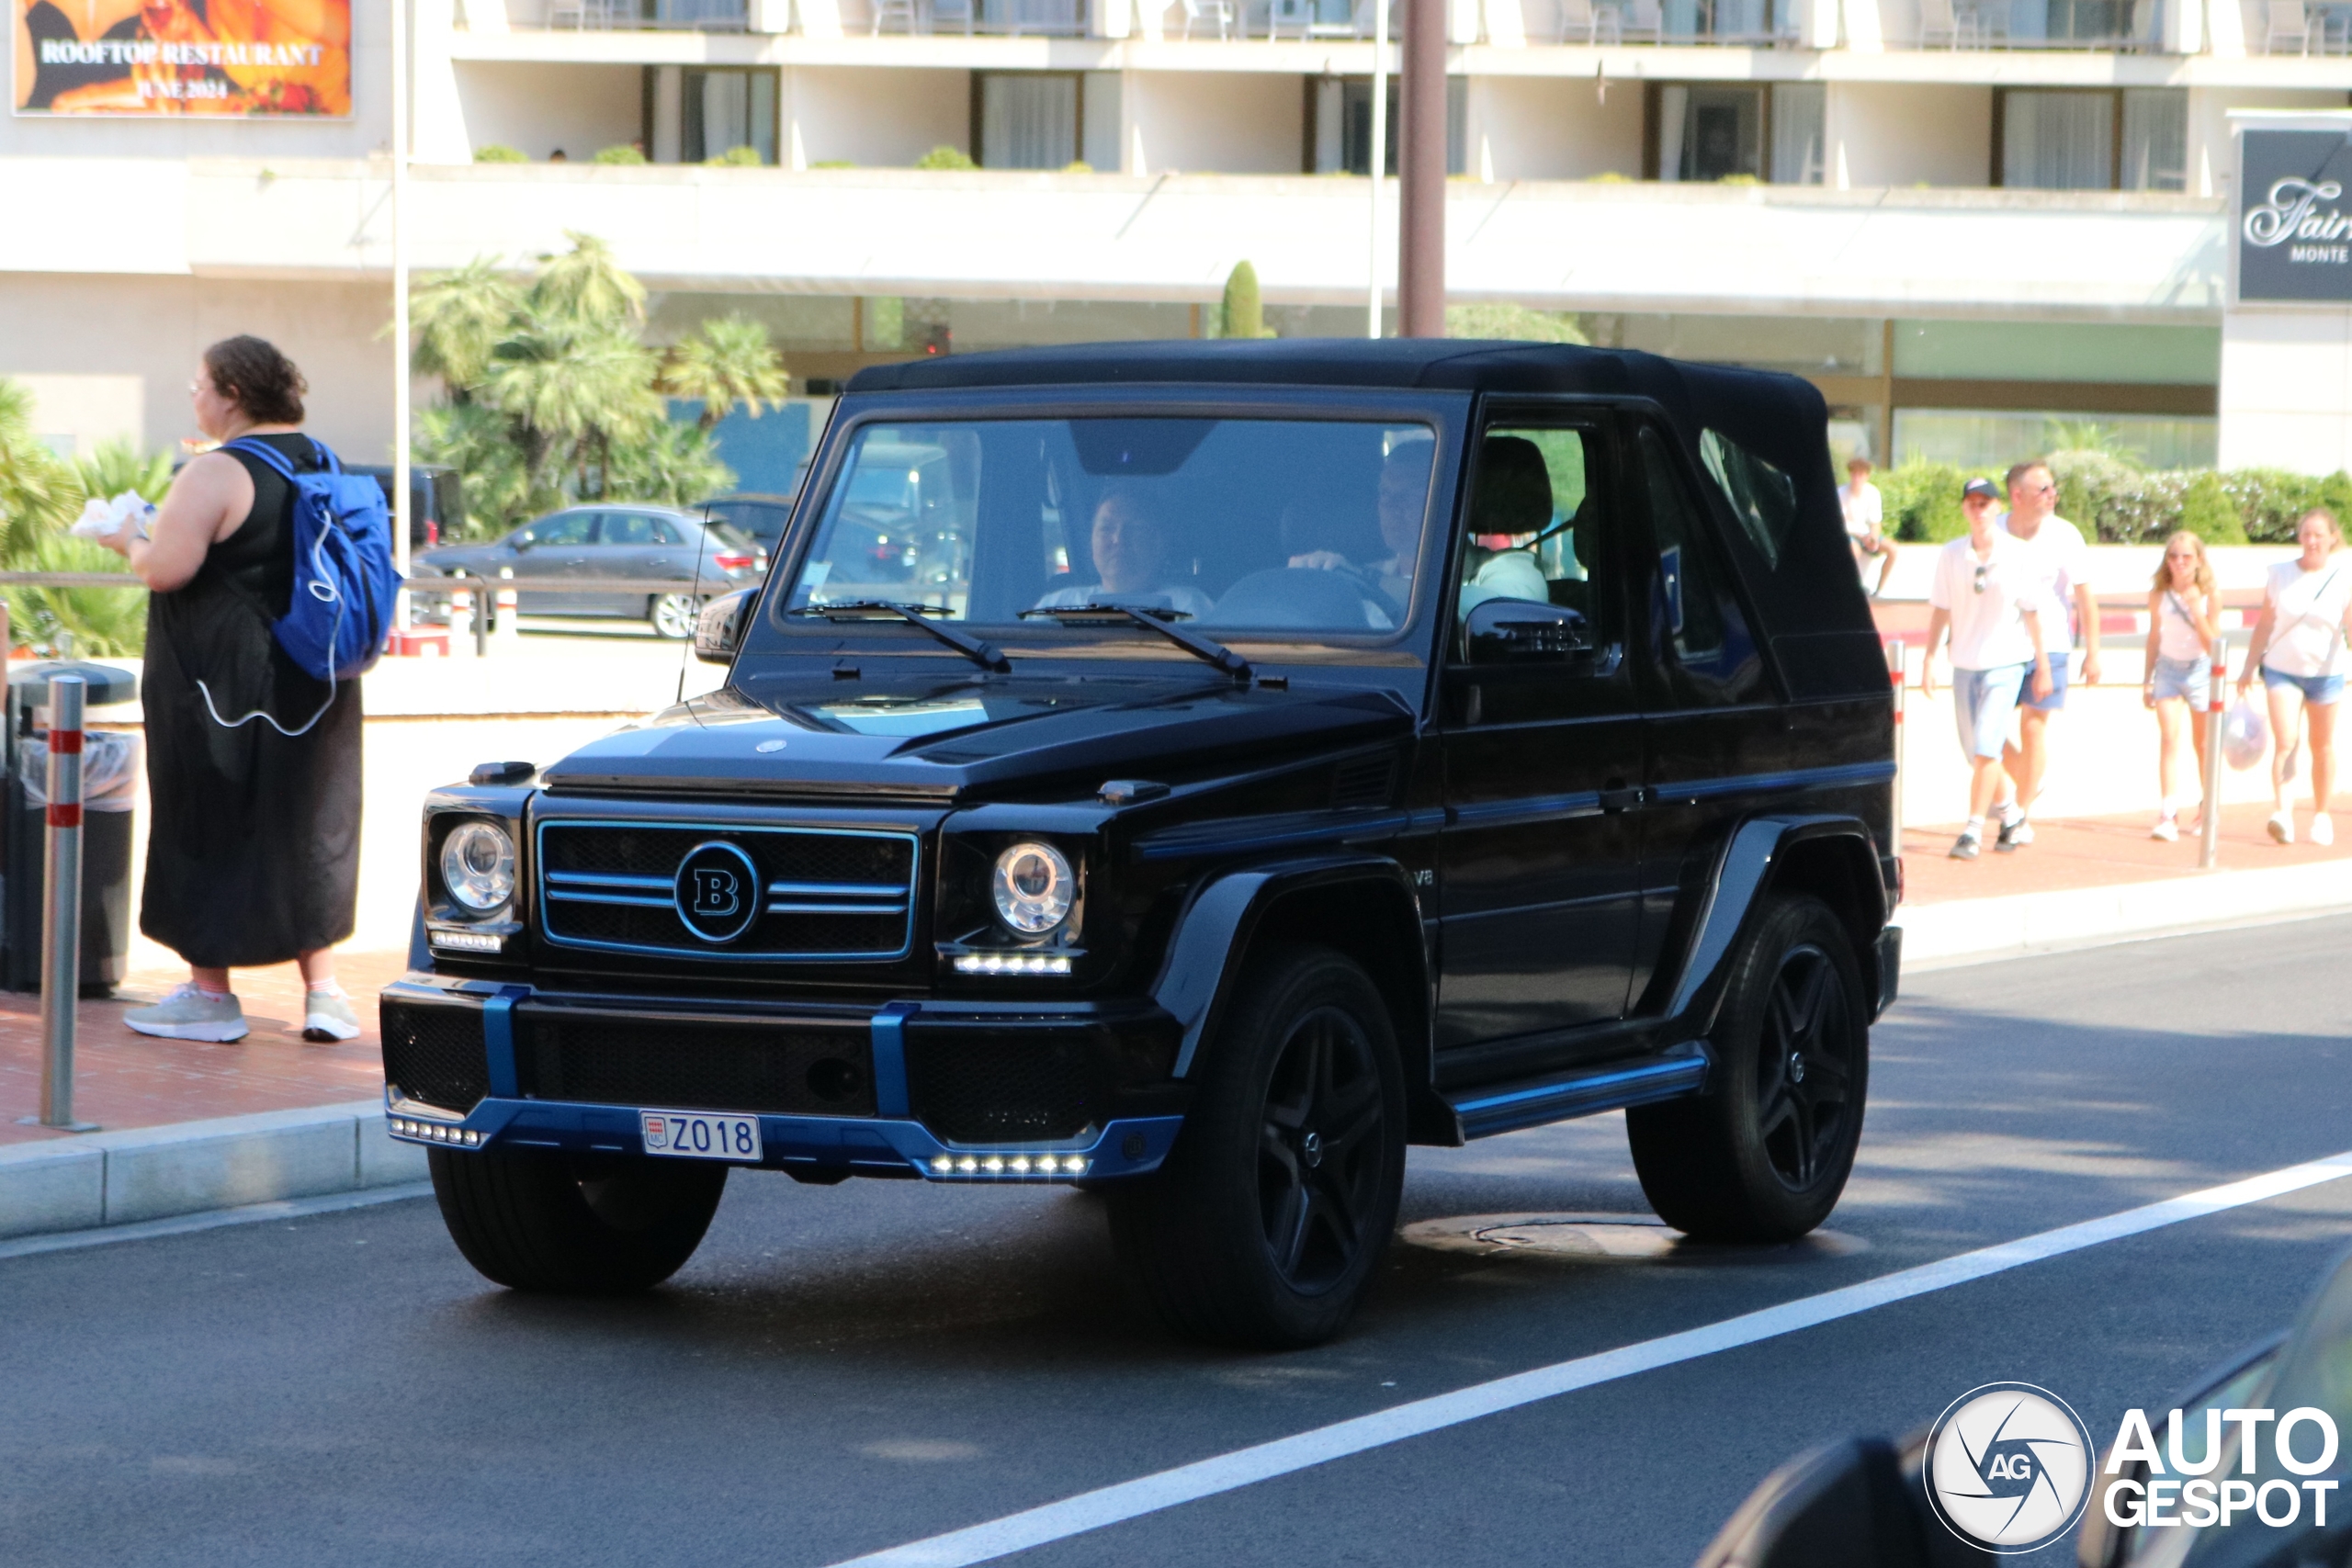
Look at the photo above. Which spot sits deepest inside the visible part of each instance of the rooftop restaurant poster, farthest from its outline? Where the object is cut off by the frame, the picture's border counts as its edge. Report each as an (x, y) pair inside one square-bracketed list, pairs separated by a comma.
[(236, 58)]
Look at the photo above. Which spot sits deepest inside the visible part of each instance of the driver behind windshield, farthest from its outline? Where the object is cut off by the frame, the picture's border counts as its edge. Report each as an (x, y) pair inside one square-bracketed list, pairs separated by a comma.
[(1404, 495), (1131, 547)]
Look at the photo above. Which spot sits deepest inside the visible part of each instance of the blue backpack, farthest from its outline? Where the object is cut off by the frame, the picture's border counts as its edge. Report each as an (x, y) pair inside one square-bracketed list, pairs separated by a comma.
[(346, 587)]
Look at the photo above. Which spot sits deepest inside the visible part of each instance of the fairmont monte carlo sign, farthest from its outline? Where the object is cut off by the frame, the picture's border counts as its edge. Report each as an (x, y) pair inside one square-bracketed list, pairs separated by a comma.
[(2294, 233)]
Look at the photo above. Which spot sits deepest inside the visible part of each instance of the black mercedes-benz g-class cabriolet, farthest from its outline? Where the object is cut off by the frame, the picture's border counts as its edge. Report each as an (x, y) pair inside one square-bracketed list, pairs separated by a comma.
[(1197, 771)]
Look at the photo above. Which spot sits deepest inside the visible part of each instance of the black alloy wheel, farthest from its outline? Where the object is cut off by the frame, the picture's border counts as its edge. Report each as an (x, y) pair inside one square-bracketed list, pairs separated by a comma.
[(1266, 1224), (1318, 1170), (1802, 1082), (1762, 1154)]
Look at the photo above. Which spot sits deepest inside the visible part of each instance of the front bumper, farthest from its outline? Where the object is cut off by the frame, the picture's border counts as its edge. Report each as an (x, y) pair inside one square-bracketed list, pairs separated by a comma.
[(943, 1091)]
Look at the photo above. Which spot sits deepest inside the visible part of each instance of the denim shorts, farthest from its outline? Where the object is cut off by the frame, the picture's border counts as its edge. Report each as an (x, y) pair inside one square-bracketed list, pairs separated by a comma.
[(1982, 700), (2323, 690), (2057, 697), (2191, 680)]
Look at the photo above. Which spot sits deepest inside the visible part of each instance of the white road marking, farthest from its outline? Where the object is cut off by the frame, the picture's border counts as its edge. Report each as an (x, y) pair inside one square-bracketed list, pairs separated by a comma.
[(213, 1219), (1244, 1467)]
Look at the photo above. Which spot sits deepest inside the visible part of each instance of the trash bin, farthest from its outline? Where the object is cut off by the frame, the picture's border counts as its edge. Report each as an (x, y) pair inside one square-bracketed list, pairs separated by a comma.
[(110, 765)]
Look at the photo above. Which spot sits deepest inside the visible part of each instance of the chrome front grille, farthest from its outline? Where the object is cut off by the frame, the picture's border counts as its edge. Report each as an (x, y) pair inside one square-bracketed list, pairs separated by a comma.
[(821, 892)]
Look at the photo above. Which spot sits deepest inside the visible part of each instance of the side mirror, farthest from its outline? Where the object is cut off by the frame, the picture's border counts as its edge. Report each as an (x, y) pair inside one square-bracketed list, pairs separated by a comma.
[(1851, 1504), (1515, 631), (523, 541), (719, 630)]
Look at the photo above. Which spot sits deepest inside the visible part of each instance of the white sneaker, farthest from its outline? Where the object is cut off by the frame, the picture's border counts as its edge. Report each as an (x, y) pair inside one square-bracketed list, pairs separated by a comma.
[(2323, 830), (188, 1014), (2282, 827), (2166, 830), (327, 1016)]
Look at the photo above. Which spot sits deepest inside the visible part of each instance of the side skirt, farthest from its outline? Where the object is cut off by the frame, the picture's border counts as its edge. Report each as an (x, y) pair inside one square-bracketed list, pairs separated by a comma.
[(1581, 1091)]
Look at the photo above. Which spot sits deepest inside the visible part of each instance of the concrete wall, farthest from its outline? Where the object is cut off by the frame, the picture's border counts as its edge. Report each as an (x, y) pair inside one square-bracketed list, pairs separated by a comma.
[(1549, 127), (1902, 134), (539, 108), (2286, 395), (116, 354), (873, 119), (2213, 161), (1219, 123)]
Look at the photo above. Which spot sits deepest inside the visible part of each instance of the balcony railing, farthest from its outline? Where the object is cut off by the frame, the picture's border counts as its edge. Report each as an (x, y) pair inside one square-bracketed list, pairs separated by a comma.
[(2291, 27), (682, 15), (1013, 18), (2124, 25)]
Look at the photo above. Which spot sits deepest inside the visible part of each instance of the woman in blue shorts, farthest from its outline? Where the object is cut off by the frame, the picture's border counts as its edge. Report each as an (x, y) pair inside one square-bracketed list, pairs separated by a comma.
[(2181, 608), (2299, 647)]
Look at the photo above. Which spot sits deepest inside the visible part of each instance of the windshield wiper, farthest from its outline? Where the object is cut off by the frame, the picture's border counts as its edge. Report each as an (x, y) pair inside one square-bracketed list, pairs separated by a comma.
[(1158, 620), (980, 654)]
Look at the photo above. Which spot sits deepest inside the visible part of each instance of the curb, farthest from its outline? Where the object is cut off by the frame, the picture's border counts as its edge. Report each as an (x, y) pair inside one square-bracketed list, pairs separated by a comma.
[(1976, 931), (155, 1173)]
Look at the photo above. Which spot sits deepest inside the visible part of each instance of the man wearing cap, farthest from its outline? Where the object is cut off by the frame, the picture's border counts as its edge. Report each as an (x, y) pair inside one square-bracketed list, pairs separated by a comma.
[(1987, 593), (2062, 565)]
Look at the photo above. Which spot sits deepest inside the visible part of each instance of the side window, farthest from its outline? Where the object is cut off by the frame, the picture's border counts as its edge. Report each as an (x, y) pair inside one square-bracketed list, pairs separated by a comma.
[(1705, 648), (666, 533), (563, 528), (626, 528), (1762, 497), (1537, 524)]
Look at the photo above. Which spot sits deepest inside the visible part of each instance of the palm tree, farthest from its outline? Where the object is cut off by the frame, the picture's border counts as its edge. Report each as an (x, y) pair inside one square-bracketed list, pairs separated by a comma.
[(39, 491), (585, 284), (460, 318), (727, 362)]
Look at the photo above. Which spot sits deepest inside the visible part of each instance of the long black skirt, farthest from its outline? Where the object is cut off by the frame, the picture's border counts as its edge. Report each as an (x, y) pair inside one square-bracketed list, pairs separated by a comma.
[(253, 855)]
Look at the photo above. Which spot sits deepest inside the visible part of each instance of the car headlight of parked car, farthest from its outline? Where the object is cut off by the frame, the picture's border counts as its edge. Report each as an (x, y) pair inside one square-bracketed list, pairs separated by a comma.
[(1034, 888), (478, 866)]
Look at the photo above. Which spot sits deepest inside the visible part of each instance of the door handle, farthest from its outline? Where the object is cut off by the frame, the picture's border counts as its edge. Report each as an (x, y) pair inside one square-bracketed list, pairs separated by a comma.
[(1621, 797)]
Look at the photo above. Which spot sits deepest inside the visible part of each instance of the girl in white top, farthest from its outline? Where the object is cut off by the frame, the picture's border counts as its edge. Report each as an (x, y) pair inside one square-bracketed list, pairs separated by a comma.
[(2181, 606), (2299, 646)]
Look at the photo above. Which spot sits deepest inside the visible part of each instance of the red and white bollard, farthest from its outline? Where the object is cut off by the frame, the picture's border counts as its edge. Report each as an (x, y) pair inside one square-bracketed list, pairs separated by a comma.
[(510, 613), (60, 924), (461, 622), (1900, 671), (2209, 852)]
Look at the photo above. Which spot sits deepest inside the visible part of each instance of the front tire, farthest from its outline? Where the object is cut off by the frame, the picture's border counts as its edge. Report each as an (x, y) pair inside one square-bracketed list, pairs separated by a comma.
[(574, 1225), (1763, 1155), (673, 615), (1267, 1224)]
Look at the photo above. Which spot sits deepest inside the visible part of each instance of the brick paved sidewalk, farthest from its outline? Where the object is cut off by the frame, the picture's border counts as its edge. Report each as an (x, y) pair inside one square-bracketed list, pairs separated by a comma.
[(2101, 852), (123, 1079)]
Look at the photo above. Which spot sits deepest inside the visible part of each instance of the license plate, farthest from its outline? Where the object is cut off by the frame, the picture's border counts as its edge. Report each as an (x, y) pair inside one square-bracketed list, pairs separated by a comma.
[(698, 1134)]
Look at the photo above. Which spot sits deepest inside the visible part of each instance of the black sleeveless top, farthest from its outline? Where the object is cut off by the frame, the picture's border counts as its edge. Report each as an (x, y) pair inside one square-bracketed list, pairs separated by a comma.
[(254, 854)]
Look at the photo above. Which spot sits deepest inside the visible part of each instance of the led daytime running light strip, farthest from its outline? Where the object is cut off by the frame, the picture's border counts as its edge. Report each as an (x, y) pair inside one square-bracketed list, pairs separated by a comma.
[(470, 942), (1009, 1165), (1012, 964), (435, 1133)]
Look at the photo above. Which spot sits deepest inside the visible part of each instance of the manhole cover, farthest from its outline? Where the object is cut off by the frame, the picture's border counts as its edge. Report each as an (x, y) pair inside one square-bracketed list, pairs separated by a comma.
[(1607, 1238)]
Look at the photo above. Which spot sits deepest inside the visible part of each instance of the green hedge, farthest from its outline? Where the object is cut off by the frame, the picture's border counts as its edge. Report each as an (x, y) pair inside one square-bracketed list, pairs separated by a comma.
[(2118, 504)]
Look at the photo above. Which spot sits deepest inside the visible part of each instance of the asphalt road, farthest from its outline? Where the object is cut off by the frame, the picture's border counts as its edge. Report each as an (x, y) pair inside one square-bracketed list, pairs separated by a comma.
[(843, 1370)]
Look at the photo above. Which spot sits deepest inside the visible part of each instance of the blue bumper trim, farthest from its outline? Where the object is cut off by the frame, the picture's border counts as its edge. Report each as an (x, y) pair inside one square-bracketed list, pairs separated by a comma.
[(498, 1040), (890, 1047), (853, 1145)]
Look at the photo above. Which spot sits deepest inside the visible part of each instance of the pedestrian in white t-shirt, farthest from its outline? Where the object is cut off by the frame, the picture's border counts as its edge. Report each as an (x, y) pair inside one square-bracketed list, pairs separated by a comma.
[(1987, 591), (2062, 564), (1865, 519), (2299, 646)]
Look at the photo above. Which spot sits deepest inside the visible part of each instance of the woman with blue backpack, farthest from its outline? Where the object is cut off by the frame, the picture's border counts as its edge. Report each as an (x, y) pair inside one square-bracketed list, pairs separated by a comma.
[(252, 730)]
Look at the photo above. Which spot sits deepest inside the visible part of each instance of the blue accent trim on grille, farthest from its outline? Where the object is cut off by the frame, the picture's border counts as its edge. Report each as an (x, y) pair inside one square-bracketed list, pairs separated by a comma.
[(558, 888), (498, 1040), (890, 1051)]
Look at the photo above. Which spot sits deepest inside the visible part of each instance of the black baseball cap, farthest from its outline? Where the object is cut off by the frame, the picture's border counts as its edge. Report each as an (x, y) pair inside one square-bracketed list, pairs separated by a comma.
[(1982, 487)]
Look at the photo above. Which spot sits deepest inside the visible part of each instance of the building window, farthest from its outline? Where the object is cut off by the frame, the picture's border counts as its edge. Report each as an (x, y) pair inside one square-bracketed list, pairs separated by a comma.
[(1339, 125), (2095, 139), (724, 107), (1028, 120), (1706, 131)]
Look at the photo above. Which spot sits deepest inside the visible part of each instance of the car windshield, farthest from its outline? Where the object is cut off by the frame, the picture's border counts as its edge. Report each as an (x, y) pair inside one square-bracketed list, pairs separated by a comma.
[(1266, 525)]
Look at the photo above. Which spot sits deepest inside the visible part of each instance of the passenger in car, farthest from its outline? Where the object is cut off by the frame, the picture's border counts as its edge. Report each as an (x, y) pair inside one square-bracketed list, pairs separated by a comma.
[(1130, 547), (1510, 508)]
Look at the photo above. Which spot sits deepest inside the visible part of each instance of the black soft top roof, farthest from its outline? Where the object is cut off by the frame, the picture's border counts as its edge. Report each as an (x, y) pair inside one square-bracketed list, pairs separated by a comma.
[(1780, 417)]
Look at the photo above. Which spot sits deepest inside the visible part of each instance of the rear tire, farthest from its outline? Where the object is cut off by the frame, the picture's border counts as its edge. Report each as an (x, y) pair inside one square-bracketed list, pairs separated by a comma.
[(1267, 1224), (574, 1225), (673, 615), (1763, 1155)]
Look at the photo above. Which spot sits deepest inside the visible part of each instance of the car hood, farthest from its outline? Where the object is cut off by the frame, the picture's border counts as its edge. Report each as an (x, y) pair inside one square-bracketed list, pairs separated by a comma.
[(945, 739)]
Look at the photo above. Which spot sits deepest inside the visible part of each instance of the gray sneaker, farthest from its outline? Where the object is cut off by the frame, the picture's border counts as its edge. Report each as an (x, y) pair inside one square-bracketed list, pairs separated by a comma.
[(188, 1014), (327, 1016)]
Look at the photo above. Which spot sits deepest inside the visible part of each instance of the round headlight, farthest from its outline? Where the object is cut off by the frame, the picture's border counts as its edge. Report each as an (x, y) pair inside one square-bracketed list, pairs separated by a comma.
[(478, 866), (1034, 887)]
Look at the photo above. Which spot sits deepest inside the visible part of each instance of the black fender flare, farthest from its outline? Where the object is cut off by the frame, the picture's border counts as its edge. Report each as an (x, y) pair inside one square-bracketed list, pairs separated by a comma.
[(1834, 856), (1362, 903)]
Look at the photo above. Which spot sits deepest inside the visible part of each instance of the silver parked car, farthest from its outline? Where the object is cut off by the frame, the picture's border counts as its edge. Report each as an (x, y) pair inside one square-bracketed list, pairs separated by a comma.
[(623, 543)]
